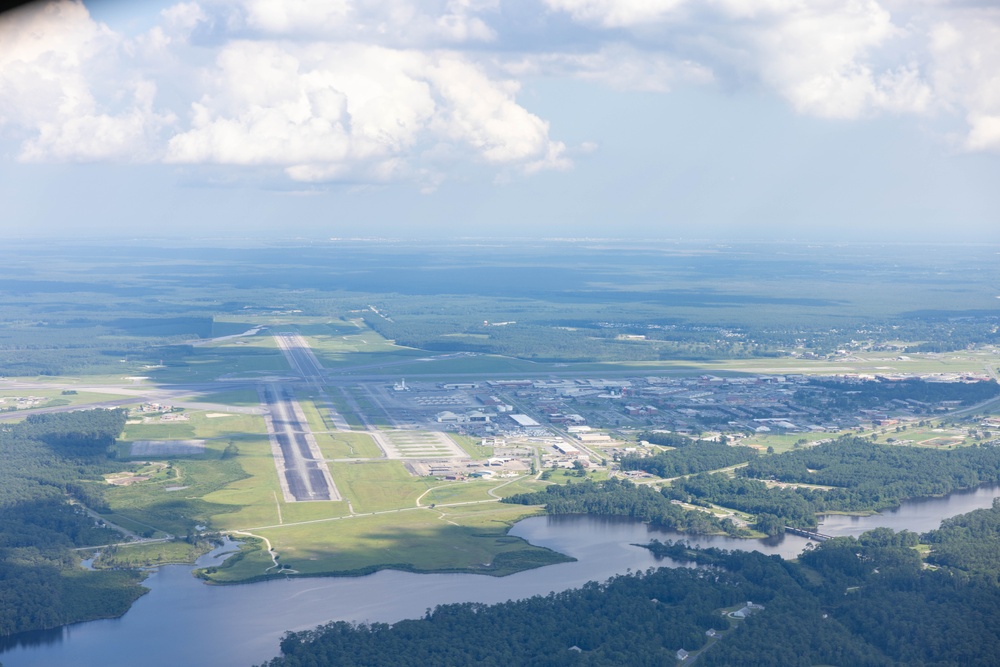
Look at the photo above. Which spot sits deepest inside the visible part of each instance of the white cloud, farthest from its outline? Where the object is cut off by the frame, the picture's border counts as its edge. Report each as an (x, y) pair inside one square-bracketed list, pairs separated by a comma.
[(818, 56), (840, 59), (332, 110), (398, 23), (617, 13), (375, 91), (64, 91), (619, 66), (966, 72)]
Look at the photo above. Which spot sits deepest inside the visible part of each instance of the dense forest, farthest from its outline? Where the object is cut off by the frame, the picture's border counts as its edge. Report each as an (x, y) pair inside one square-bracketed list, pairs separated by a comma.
[(859, 602), (881, 474), (969, 543), (616, 497), (865, 476), (699, 456), (49, 461)]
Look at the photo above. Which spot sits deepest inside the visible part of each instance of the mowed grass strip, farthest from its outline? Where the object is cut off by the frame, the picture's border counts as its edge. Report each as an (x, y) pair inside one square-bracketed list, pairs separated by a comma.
[(341, 445), (317, 418), (374, 486)]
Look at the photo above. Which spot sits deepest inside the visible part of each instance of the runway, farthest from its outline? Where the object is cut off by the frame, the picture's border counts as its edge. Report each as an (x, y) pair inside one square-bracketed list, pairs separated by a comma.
[(302, 471)]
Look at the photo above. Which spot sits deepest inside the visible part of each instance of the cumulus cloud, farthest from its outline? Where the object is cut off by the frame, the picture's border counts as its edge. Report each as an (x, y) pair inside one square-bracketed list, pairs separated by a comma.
[(827, 58), (399, 23), (618, 13), (64, 90), (966, 71), (370, 91), (818, 56), (330, 110)]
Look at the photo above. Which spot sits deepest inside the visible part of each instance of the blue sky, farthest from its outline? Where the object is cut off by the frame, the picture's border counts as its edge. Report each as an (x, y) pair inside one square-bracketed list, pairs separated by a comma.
[(725, 119)]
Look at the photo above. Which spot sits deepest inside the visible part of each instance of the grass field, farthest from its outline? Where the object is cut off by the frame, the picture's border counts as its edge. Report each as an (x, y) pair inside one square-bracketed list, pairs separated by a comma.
[(471, 538), (238, 397), (471, 446), (231, 426), (374, 486), (459, 492), (151, 554), (786, 441), (246, 356), (175, 505), (58, 397), (341, 445)]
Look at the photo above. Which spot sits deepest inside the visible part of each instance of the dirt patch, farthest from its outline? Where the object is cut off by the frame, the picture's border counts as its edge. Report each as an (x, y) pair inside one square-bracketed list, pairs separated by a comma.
[(127, 480)]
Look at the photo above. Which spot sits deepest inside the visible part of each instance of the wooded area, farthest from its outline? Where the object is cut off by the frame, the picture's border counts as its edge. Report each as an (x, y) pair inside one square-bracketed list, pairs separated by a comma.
[(864, 601), (50, 460)]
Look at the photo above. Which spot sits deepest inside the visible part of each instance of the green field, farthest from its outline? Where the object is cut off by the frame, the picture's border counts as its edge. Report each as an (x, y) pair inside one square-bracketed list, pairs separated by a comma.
[(150, 554), (468, 539), (471, 446)]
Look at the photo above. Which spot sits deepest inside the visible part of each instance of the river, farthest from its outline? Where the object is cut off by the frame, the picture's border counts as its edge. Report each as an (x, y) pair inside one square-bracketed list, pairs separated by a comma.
[(183, 621)]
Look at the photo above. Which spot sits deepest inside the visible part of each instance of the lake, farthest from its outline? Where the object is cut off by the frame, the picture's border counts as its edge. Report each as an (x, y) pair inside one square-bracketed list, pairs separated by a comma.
[(183, 621)]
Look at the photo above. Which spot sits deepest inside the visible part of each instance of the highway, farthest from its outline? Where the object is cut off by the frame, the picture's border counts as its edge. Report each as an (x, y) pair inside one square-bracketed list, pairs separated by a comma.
[(303, 473)]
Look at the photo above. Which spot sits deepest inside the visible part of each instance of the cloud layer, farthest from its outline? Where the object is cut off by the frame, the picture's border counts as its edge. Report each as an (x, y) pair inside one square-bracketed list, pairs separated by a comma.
[(367, 91)]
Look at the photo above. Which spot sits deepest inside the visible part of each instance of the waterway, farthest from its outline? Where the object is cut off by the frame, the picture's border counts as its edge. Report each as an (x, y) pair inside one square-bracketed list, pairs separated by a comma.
[(183, 621)]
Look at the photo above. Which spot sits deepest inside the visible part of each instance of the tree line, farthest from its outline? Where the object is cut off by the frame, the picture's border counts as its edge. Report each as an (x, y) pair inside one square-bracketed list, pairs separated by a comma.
[(616, 497), (699, 456)]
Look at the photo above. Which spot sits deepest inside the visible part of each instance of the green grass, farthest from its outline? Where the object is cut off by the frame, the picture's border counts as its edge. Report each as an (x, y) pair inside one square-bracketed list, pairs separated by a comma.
[(469, 539), (375, 414), (177, 511), (340, 445), (238, 397), (234, 426), (56, 397), (459, 492), (471, 446), (257, 500), (526, 484), (210, 362), (344, 409), (151, 554), (377, 486), (784, 442)]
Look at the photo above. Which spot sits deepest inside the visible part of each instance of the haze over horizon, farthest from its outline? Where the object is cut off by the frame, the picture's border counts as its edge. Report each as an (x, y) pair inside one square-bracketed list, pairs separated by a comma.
[(820, 121)]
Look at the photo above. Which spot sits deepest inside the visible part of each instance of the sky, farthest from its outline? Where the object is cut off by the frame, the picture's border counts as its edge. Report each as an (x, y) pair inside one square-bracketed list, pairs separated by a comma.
[(804, 120)]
